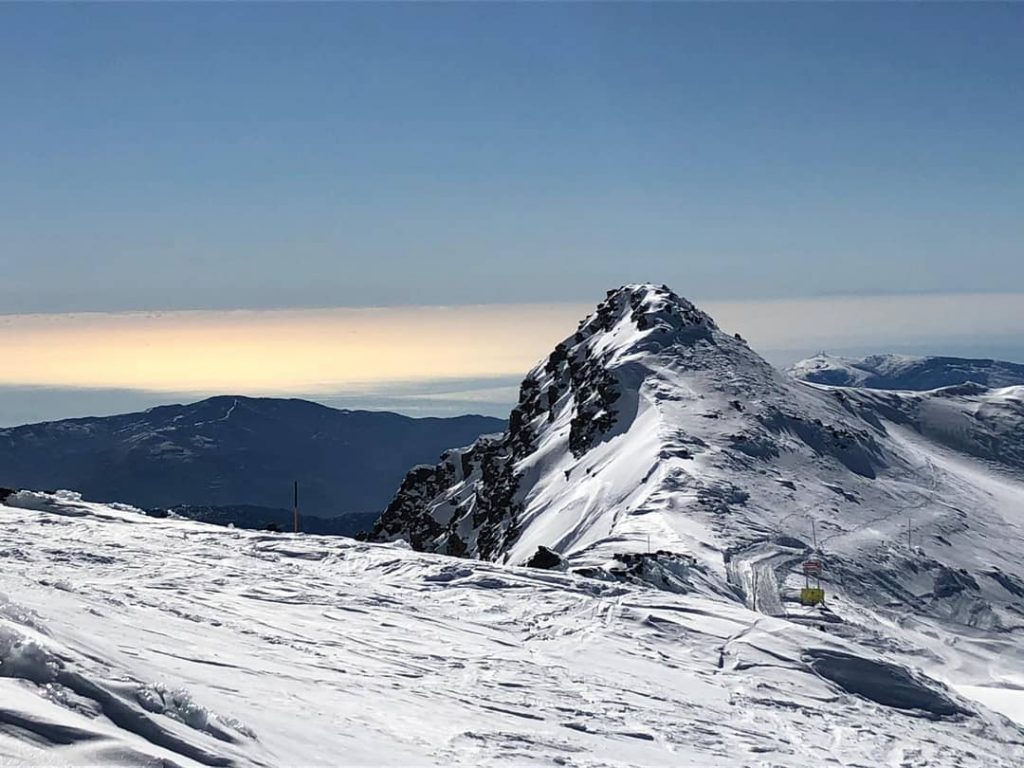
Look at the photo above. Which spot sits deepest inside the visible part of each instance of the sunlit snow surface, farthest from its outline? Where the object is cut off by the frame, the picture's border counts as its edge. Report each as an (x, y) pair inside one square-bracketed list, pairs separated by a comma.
[(131, 640)]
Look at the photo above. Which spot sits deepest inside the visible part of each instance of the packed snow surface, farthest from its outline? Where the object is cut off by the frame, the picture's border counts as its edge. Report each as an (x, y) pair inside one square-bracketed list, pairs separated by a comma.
[(132, 640)]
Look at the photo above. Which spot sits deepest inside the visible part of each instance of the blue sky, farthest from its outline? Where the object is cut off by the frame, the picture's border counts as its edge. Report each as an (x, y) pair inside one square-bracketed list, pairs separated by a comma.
[(280, 155), (167, 156)]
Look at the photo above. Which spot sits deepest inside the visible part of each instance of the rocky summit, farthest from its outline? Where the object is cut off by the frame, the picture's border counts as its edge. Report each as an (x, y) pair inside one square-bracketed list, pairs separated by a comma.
[(651, 429)]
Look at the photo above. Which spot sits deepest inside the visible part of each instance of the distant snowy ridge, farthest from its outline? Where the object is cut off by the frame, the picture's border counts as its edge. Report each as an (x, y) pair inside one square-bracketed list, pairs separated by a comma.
[(906, 372)]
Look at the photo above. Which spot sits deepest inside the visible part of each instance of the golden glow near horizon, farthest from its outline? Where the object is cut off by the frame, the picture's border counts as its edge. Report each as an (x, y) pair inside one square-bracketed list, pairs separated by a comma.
[(277, 351), (319, 351)]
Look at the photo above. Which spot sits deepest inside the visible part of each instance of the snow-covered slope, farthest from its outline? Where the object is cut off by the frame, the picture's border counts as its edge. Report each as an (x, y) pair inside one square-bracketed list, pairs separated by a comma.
[(906, 372), (138, 641)]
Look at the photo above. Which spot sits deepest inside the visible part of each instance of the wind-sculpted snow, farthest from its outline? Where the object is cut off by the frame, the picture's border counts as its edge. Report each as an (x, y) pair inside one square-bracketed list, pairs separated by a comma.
[(133, 640), (879, 681)]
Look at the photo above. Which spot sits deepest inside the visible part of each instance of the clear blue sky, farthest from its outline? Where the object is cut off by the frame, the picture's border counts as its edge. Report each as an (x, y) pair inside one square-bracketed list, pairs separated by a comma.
[(183, 156)]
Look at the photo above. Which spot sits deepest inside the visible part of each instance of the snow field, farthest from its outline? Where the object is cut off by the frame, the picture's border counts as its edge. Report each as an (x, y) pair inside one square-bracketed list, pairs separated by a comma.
[(131, 640)]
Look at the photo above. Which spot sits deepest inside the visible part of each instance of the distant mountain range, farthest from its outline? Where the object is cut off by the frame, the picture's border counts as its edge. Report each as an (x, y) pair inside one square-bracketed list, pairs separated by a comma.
[(234, 451), (904, 372)]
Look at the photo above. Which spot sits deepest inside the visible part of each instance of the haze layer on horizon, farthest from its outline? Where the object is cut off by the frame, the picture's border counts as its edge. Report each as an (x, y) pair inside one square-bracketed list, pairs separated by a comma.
[(423, 360)]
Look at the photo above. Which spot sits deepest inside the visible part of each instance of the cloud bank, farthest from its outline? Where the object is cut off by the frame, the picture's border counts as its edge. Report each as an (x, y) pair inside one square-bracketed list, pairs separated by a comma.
[(438, 359)]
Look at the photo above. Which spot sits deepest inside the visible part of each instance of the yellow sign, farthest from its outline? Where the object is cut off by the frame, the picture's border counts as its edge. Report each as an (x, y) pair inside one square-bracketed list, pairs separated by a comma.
[(812, 595)]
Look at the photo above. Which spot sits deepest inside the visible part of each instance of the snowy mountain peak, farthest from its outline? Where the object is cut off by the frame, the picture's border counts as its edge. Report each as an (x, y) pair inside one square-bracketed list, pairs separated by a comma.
[(648, 383), (639, 318), (650, 431), (652, 310)]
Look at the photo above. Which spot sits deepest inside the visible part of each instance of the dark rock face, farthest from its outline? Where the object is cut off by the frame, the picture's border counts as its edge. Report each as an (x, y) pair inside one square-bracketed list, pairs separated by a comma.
[(231, 451), (465, 503), (406, 515)]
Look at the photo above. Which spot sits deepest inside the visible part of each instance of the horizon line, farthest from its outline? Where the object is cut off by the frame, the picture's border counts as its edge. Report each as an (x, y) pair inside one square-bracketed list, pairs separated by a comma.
[(155, 311)]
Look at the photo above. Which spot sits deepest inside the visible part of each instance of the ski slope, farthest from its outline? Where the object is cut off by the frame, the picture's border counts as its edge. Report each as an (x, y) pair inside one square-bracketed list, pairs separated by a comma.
[(130, 640)]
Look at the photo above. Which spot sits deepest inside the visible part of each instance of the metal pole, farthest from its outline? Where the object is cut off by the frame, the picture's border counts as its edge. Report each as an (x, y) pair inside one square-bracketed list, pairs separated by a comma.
[(295, 508)]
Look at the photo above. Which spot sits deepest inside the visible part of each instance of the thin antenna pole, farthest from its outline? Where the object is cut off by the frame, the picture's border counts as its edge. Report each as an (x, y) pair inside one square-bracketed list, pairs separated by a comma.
[(814, 535), (295, 508)]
